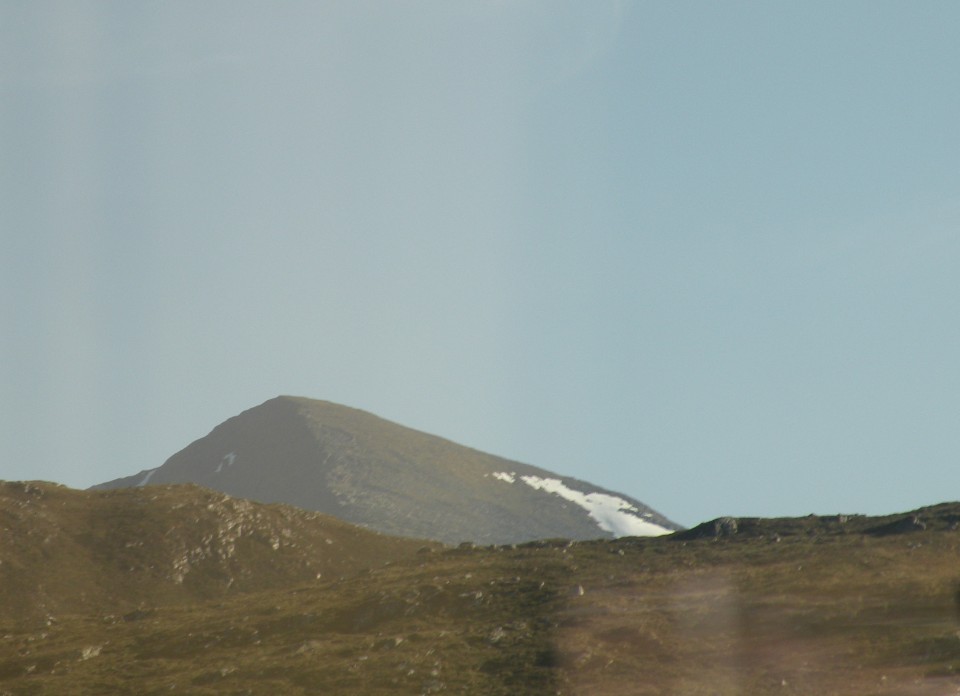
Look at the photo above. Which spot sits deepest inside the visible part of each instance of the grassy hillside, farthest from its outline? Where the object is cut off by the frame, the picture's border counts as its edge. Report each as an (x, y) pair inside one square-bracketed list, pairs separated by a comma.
[(795, 606), (113, 551)]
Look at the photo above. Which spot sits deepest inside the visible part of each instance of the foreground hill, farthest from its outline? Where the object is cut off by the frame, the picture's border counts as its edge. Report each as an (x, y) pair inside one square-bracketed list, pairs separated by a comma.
[(372, 472), (812, 605), (113, 551)]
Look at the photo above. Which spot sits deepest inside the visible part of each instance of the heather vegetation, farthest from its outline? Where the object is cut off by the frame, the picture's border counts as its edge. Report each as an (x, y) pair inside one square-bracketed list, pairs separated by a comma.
[(175, 589)]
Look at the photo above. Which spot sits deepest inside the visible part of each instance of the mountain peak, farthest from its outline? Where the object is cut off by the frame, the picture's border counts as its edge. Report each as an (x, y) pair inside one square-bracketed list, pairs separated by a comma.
[(364, 469)]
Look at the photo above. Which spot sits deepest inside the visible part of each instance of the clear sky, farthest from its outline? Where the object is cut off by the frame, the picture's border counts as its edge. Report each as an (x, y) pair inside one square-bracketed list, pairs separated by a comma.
[(703, 253)]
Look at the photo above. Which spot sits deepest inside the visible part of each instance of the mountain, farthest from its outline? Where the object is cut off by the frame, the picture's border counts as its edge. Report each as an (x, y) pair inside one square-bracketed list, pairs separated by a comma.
[(369, 471), (178, 589)]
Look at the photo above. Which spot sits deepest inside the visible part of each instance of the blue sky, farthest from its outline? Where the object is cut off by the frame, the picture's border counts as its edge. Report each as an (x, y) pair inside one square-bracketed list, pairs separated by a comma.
[(701, 253)]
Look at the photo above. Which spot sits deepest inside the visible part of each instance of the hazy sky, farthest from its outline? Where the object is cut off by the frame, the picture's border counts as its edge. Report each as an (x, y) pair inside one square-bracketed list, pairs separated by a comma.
[(703, 253)]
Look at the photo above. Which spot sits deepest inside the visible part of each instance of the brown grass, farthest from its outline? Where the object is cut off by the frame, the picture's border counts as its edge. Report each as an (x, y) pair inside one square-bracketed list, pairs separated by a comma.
[(785, 607)]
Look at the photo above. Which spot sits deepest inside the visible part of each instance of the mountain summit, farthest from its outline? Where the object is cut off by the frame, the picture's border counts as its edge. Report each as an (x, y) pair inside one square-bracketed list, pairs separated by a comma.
[(372, 472)]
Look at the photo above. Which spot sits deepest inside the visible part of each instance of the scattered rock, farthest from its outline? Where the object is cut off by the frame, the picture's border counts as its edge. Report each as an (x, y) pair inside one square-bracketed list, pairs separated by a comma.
[(905, 525), (90, 652), (725, 526)]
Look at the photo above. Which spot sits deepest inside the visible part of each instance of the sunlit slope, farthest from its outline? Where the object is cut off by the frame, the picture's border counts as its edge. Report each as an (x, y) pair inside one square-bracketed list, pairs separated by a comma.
[(791, 606), (369, 471), (63, 550)]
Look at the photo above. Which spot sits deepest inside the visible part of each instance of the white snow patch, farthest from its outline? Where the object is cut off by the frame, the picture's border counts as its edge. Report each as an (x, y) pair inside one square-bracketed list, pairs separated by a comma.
[(612, 514), (504, 476), (229, 459), (146, 479)]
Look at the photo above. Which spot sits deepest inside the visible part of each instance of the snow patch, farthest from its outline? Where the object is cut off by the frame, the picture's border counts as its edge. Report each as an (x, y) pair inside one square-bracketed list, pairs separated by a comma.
[(146, 479), (228, 459), (504, 476), (612, 514)]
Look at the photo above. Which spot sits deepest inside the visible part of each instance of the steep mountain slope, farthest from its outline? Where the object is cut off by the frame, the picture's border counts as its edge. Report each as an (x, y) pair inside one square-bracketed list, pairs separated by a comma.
[(372, 472), (111, 551), (813, 605)]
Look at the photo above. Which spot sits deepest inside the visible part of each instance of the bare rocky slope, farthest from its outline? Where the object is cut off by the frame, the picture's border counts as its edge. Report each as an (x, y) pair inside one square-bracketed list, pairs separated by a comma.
[(369, 471)]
